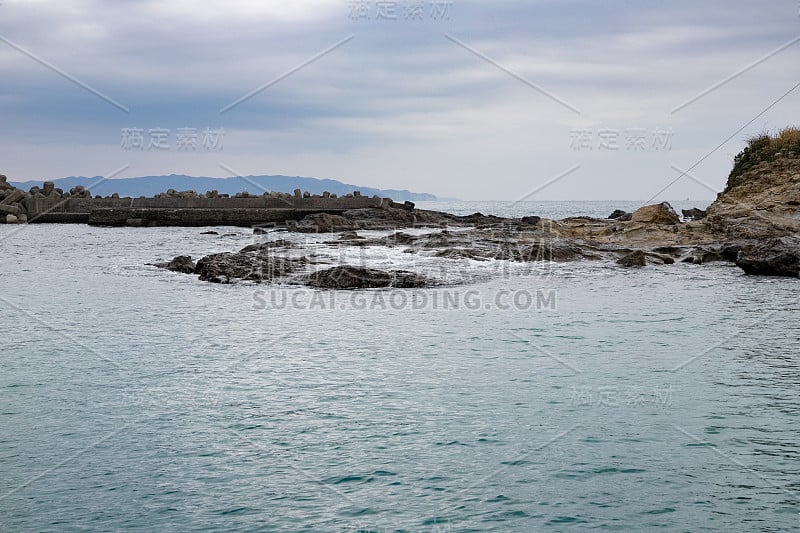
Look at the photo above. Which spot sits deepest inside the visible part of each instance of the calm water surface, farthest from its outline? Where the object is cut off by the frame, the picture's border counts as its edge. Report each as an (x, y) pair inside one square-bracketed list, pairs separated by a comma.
[(139, 399)]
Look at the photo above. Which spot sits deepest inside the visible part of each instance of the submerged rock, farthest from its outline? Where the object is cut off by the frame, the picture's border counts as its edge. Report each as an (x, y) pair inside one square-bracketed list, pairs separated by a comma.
[(634, 259), (771, 257), (640, 258), (350, 236), (264, 246), (714, 252), (227, 267), (350, 277), (182, 264)]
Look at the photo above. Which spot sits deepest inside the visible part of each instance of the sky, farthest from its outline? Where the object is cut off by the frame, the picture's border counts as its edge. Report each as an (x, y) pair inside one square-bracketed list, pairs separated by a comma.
[(500, 100)]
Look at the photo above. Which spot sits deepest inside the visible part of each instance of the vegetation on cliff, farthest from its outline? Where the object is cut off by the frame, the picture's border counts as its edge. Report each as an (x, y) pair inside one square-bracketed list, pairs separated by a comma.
[(763, 147)]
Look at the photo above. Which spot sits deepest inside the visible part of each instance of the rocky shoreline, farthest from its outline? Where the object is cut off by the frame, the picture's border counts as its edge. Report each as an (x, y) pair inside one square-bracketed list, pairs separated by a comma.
[(754, 223)]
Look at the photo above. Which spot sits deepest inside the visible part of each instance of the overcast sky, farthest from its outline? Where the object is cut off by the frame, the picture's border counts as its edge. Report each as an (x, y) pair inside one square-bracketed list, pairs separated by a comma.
[(464, 98)]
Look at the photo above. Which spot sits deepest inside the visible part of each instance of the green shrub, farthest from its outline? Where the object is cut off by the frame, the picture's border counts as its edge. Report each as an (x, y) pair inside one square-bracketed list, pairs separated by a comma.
[(763, 147)]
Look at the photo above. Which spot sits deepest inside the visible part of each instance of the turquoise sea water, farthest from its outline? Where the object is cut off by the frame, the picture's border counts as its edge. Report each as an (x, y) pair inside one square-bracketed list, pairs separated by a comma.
[(137, 399)]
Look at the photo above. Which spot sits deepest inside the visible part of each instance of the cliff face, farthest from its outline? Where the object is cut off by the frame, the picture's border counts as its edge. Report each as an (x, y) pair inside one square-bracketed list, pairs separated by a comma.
[(761, 201)]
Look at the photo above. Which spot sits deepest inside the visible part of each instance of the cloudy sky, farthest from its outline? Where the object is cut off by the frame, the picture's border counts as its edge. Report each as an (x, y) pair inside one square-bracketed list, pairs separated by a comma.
[(500, 100)]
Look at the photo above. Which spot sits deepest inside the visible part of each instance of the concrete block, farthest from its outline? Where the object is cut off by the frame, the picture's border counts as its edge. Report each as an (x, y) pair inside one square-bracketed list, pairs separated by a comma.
[(15, 196), (10, 210)]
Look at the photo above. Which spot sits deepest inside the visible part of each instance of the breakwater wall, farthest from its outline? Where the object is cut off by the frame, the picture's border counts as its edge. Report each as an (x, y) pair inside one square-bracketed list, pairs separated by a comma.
[(194, 211)]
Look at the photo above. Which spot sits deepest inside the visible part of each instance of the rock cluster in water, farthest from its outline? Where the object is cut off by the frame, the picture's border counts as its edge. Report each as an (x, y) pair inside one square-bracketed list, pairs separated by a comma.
[(754, 224)]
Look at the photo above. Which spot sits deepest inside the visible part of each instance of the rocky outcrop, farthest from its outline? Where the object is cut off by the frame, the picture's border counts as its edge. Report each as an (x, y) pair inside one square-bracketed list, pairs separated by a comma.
[(759, 202), (693, 213), (619, 214), (700, 255), (662, 213), (228, 267), (266, 246), (324, 223), (771, 257), (350, 277), (640, 258), (182, 264), (633, 259), (531, 220)]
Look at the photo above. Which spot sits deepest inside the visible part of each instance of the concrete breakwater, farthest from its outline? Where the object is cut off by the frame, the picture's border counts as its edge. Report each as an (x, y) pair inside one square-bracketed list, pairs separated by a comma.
[(171, 208), (190, 211)]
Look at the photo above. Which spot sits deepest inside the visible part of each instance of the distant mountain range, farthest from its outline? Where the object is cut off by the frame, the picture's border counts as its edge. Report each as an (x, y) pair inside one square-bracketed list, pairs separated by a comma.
[(152, 185)]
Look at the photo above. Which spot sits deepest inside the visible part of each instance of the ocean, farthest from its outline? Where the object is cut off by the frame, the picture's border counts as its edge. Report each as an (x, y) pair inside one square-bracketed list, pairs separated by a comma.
[(517, 398)]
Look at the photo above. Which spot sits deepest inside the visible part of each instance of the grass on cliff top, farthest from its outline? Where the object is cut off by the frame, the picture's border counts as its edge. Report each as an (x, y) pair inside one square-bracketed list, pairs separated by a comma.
[(763, 147)]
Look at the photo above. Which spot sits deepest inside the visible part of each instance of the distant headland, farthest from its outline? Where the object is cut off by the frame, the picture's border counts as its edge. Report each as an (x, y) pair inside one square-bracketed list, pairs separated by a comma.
[(149, 186)]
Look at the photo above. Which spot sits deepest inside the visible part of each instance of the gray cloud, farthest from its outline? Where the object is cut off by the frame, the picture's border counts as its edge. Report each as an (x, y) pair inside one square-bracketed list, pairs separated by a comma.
[(399, 105)]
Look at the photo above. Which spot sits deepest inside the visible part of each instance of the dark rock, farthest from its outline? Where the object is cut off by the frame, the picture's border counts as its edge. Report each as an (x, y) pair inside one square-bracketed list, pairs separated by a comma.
[(658, 259), (350, 236), (730, 252), (462, 253), (323, 223), (617, 214), (711, 253), (532, 220), (228, 267), (182, 264), (209, 233), (398, 238), (669, 250), (771, 257), (556, 250), (349, 277), (694, 213), (409, 206), (634, 259), (280, 243)]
